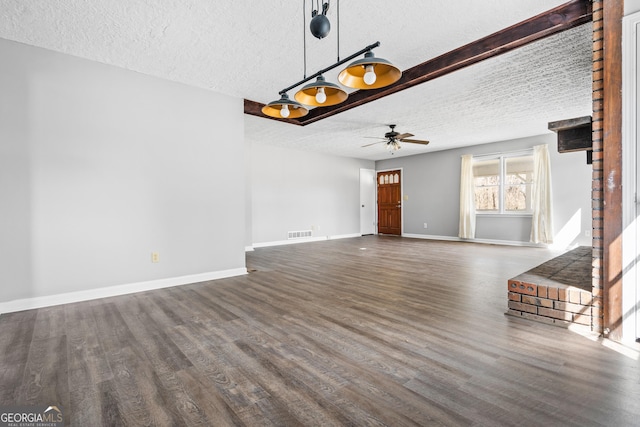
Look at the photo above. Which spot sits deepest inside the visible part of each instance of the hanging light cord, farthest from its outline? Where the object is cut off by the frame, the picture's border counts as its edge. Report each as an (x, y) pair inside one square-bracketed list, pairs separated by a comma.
[(304, 35), (304, 32), (338, 19)]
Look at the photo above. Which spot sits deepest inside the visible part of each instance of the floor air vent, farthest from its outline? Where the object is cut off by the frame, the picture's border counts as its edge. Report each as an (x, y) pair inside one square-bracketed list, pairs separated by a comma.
[(299, 234)]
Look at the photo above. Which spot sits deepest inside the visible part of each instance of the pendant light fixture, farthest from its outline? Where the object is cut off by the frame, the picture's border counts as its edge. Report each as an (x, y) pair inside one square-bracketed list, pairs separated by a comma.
[(284, 108), (366, 73), (369, 73), (321, 93)]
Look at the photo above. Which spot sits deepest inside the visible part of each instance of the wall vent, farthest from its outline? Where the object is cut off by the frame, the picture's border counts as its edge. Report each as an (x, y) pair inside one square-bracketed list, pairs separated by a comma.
[(299, 234)]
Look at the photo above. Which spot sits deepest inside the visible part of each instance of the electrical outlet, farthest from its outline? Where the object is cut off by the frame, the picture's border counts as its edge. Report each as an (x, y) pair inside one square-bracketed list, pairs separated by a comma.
[(587, 233), (425, 225), (155, 257)]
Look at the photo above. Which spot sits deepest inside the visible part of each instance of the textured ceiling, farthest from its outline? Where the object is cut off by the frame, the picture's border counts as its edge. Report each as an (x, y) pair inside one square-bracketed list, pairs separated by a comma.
[(253, 49)]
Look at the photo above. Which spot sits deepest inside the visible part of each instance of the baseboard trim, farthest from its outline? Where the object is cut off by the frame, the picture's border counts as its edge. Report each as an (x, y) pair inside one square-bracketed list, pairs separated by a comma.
[(304, 240), (344, 236), (289, 242), (484, 241), (432, 237), (112, 291)]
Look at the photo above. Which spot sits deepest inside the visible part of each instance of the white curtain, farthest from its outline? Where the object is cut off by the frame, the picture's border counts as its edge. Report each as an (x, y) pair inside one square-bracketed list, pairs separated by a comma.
[(542, 224), (467, 229)]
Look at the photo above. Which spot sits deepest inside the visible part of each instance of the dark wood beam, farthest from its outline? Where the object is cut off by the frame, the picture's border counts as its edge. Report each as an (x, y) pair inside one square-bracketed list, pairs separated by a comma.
[(612, 168), (578, 139), (573, 134), (561, 18)]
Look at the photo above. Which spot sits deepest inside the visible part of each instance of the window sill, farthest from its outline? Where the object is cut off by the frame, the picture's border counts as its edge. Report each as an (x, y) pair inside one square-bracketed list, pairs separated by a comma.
[(502, 215)]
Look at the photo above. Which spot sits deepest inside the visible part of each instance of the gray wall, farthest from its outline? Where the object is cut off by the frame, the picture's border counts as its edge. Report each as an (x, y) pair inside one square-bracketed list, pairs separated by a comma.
[(295, 190), (100, 166), (432, 184)]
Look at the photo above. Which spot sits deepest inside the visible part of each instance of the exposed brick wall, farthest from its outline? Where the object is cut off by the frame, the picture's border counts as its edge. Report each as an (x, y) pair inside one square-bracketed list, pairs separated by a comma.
[(558, 305), (598, 155), (606, 264)]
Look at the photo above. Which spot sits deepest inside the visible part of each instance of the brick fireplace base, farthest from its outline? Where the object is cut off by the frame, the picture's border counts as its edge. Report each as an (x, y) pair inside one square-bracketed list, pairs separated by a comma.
[(557, 292)]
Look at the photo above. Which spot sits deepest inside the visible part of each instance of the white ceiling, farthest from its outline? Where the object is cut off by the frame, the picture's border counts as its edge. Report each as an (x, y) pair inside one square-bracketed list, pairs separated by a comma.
[(253, 49)]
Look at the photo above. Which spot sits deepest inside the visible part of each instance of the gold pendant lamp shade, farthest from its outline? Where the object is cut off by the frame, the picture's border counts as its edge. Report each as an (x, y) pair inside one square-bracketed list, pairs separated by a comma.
[(366, 73), (285, 108), (369, 73), (321, 93)]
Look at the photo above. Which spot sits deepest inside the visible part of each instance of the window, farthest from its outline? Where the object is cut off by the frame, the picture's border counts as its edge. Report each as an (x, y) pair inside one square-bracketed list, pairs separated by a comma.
[(503, 183)]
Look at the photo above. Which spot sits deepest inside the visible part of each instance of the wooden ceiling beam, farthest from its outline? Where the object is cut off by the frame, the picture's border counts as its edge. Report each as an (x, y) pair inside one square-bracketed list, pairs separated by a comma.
[(573, 134), (556, 20)]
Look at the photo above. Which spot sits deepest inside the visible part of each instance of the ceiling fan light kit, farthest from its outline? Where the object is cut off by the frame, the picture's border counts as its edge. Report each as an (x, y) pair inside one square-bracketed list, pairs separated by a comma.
[(393, 146), (365, 73)]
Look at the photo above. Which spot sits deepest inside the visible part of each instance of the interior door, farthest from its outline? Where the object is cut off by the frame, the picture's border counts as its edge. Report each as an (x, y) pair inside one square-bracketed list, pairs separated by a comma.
[(389, 202), (367, 201)]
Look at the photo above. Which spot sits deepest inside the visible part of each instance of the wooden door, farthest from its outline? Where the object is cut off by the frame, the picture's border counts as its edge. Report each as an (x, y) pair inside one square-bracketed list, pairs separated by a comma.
[(389, 203)]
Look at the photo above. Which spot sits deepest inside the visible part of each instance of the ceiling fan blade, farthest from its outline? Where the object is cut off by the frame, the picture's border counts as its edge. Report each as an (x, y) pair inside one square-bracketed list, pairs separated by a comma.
[(376, 137), (373, 143), (403, 135), (415, 141)]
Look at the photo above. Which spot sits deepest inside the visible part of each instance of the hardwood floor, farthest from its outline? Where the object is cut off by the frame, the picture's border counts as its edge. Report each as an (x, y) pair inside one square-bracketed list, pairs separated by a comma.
[(365, 331)]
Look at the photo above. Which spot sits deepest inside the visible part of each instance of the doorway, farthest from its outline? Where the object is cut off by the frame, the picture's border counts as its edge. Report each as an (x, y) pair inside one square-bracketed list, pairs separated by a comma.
[(389, 202), (367, 201)]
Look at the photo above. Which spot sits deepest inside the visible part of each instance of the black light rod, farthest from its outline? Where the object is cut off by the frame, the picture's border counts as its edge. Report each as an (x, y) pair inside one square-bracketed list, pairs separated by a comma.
[(331, 67)]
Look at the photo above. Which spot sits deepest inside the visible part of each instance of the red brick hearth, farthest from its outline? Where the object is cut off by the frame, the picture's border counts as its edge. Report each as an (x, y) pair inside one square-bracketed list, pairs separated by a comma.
[(557, 292)]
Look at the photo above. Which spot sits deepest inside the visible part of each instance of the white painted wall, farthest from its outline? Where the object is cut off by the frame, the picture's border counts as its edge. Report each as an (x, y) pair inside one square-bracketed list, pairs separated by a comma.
[(100, 166), (631, 6), (295, 190), (630, 177), (432, 184)]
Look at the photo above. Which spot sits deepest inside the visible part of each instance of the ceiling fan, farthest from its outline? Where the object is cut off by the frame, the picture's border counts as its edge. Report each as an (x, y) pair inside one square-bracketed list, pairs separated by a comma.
[(393, 139)]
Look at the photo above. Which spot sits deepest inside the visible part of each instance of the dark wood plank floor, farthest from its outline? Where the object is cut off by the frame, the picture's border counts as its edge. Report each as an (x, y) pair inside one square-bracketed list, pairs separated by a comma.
[(365, 331)]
